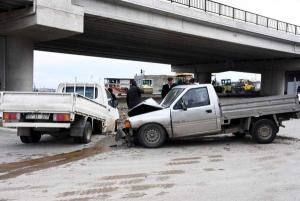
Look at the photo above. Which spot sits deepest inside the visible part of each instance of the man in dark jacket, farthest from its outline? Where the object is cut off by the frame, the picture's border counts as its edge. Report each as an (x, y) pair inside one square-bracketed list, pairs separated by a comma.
[(167, 87), (134, 95)]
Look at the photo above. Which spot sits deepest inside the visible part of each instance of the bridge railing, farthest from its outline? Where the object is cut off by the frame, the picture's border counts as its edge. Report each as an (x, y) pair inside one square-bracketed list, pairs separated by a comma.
[(238, 14)]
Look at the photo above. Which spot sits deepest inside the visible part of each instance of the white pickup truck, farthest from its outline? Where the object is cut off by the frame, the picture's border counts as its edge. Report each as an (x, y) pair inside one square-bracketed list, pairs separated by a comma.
[(195, 110), (78, 109)]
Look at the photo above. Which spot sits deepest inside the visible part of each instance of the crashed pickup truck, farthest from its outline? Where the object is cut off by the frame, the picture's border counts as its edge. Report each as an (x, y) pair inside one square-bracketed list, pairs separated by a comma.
[(195, 110)]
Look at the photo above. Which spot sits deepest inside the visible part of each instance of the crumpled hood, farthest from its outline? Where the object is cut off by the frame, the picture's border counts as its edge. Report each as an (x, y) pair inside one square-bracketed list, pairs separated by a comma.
[(149, 105)]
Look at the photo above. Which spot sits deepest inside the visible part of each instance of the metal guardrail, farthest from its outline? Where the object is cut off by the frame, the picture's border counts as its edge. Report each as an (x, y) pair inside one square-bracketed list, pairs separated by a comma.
[(238, 14)]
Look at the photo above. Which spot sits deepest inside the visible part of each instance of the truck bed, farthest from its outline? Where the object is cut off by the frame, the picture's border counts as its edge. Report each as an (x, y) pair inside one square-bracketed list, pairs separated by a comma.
[(255, 107), (31, 102)]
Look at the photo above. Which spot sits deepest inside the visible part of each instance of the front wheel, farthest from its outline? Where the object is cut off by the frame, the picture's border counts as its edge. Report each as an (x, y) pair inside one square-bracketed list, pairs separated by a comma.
[(264, 131), (152, 136)]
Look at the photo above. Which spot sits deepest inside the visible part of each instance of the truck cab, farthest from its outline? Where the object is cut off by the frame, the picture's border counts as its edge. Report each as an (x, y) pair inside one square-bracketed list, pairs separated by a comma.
[(98, 94)]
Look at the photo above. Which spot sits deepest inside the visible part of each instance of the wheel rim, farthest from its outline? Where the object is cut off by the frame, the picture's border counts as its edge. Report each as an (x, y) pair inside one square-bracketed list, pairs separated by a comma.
[(265, 132), (152, 136)]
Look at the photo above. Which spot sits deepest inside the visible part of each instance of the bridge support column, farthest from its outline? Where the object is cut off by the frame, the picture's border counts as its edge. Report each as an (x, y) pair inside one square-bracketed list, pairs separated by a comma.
[(18, 64), (2, 63), (203, 78), (272, 83)]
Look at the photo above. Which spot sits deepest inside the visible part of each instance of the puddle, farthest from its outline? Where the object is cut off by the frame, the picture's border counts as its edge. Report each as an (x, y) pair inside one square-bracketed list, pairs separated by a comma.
[(126, 176), (209, 169), (216, 160), (90, 191), (215, 156), (183, 163), (12, 170), (163, 178), (171, 172), (151, 186), (134, 195), (133, 181), (266, 158), (161, 193), (186, 159)]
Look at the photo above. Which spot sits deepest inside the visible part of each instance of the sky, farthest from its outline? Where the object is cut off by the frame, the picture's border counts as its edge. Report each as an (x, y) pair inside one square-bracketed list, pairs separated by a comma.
[(52, 68)]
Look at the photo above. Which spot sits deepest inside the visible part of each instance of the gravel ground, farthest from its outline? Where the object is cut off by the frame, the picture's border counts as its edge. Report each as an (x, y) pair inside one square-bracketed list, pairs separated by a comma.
[(214, 168)]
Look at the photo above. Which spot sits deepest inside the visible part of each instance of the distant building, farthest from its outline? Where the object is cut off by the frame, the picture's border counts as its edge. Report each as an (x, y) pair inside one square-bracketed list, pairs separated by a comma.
[(151, 84), (119, 85), (44, 90)]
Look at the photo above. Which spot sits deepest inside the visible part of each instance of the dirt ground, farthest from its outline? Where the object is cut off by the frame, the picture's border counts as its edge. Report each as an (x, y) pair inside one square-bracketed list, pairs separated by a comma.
[(214, 168)]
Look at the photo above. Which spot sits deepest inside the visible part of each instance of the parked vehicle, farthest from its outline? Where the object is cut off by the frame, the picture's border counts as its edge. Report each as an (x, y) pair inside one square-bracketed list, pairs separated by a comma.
[(78, 109), (226, 85), (195, 110)]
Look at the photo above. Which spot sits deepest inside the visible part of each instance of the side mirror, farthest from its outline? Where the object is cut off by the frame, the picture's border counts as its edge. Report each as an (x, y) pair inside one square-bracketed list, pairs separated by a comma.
[(115, 103), (183, 105)]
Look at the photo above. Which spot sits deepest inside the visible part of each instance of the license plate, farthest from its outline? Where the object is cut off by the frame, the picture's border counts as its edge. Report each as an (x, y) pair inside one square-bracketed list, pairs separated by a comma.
[(38, 116)]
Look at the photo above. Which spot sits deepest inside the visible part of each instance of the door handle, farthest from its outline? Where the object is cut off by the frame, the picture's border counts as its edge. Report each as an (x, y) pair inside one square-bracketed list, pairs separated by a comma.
[(208, 111)]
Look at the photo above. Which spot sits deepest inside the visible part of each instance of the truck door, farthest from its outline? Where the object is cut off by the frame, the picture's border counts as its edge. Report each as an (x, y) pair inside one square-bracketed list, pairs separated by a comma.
[(113, 112), (198, 116)]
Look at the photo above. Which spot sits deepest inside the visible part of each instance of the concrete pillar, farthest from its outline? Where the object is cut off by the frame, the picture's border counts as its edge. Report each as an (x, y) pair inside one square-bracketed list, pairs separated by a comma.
[(272, 83), (2, 63), (18, 64), (203, 78)]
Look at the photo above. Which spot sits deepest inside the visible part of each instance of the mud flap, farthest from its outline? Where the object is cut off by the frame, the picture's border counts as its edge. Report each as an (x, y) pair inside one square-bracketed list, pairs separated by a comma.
[(77, 127)]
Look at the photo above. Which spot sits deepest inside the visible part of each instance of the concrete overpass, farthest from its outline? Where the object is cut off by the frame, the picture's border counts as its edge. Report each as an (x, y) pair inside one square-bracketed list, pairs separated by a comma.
[(198, 36)]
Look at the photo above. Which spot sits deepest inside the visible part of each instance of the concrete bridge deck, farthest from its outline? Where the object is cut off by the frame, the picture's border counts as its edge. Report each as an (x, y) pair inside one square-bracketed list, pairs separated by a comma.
[(209, 38)]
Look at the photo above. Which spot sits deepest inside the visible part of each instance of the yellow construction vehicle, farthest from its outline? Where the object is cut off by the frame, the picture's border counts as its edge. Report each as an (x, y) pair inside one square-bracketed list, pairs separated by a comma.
[(247, 86), (226, 85)]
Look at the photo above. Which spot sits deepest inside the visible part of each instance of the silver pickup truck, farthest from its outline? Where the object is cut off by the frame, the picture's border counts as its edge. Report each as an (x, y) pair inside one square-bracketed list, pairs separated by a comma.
[(195, 110)]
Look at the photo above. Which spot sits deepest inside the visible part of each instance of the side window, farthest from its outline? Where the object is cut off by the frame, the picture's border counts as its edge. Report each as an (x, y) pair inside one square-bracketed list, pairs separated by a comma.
[(109, 97), (196, 97)]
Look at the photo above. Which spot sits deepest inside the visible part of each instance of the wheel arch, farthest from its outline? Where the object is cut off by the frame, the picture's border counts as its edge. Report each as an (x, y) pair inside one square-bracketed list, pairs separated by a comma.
[(272, 118)]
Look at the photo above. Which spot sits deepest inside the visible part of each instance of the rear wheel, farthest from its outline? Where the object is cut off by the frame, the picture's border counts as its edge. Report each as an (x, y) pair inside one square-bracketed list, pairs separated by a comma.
[(152, 136), (264, 131), (87, 133), (25, 139), (36, 137)]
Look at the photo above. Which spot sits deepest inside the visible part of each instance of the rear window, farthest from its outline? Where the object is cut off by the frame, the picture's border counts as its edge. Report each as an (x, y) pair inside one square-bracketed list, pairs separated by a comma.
[(89, 92)]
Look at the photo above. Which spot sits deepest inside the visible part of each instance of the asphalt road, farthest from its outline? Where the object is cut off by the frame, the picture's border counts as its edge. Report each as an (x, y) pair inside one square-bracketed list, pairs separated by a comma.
[(214, 168)]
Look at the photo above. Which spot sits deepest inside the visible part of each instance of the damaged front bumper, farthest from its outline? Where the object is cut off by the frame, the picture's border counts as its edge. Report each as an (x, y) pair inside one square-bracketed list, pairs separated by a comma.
[(126, 135)]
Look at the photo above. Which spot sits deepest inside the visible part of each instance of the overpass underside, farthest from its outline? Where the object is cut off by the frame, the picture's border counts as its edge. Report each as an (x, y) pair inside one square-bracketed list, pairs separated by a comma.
[(115, 39), (152, 31)]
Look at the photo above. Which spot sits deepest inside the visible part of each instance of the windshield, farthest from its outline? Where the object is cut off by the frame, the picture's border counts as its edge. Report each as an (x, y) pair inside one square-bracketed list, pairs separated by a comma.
[(171, 97)]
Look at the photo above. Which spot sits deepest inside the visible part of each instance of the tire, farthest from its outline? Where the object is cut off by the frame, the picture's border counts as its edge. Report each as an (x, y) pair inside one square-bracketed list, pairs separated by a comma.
[(77, 140), (239, 134), (152, 136), (87, 133), (264, 131), (26, 139), (36, 137)]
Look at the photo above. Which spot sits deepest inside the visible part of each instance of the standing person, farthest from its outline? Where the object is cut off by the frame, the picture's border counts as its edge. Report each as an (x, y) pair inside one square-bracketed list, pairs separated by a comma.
[(134, 95), (192, 81), (167, 87), (113, 96)]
